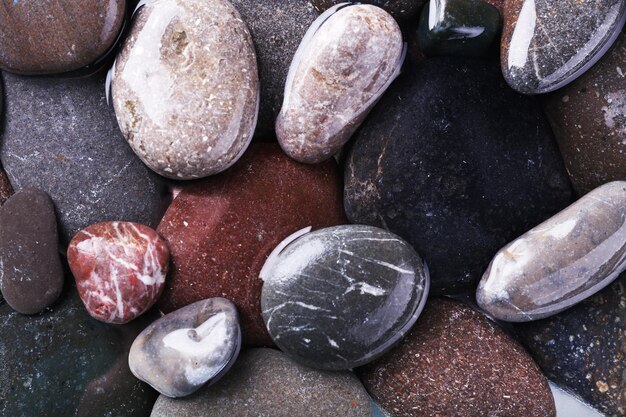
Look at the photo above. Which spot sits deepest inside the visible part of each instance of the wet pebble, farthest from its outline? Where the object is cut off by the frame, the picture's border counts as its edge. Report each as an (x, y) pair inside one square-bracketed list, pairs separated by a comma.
[(400, 9)]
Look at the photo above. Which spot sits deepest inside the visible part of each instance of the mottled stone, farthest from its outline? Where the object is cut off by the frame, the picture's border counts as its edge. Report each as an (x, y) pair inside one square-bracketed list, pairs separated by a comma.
[(6, 189), (31, 275), (562, 261), (547, 44), (186, 349), (340, 297), (221, 231), (74, 151), (400, 9), (584, 348), (456, 362), (119, 268), (434, 166), (587, 118), (54, 36), (346, 61), (264, 382), (64, 363), (202, 116)]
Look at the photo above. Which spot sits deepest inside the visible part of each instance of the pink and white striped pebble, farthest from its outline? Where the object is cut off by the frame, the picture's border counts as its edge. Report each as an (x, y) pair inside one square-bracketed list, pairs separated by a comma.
[(119, 268)]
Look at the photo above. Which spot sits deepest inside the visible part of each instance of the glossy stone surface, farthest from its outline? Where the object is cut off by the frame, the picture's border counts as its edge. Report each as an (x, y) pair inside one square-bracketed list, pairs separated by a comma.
[(340, 297), (31, 277), (458, 27), (202, 117), (186, 349), (119, 268), (272, 385), (562, 261), (547, 44), (221, 231), (400, 9), (456, 362), (54, 36), (434, 166), (583, 348), (64, 363), (74, 151), (587, 118), (344, 64)]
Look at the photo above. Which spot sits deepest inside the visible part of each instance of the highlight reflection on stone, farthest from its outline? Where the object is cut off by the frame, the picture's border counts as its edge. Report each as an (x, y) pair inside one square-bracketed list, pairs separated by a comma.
[(562, 261)]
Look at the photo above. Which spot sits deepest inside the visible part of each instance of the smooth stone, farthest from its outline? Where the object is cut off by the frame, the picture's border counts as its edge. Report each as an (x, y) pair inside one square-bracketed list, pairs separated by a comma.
[(458, 27), (434, 166), (64, 363), (220, 231), (277, 27), (186, 349), (203, 115), (6, 189), (582, 348), (346, 61), (119, 268), (74, 151), (400, 9), (568, 404), (546, 44), (456, 362), (31, 275), (264, 382), (340, 297), (53, 36), (561, 262), (587, 118), (498, 4)]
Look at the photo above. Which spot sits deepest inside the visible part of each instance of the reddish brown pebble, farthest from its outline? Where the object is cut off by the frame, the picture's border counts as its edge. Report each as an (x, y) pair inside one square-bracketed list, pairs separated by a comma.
[(455, 362), (6, 189), (221, 231)]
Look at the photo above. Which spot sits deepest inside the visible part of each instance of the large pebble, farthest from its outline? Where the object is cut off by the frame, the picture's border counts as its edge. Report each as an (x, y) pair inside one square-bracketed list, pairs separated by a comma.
[(74, 151), (202, 116), (265, 382), (456, 362), (119, 268), (186, 349), (434, 165), (340, 297), (400, 9), (562, 261), (344, 64), (31, 274), (221, 231)]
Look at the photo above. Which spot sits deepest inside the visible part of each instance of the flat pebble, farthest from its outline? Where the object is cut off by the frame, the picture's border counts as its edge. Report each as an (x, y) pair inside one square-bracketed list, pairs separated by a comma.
[(400, 9)]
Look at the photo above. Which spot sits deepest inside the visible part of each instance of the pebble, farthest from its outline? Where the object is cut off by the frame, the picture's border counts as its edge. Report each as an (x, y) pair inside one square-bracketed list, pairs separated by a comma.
[(264, 382), (562, 261), (74, 152), (31, 277), (346, 61), (453, 180), (6, 189), (456, 362), (119, 268), (547, 44), (55, 36), (220, 231), (400, 9), (340, 297), (186, 349)]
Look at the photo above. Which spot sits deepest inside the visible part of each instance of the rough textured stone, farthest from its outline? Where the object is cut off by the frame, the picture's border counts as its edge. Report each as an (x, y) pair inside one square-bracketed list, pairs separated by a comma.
[(400, 9), (456, 362), (202, 117), (434, 166), (265, 383), (587, 118), (562, 261), (53, 36), (74, 151), (340, 297), (584, 348), (188, 348), (547, 44), (31, 275), (221, 231), (119, 268), (345, 63)]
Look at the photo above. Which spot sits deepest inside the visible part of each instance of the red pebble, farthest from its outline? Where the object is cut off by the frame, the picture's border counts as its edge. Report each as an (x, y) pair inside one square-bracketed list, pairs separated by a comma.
[(120, 269)]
